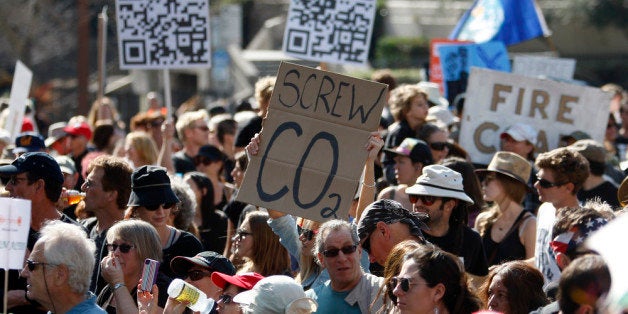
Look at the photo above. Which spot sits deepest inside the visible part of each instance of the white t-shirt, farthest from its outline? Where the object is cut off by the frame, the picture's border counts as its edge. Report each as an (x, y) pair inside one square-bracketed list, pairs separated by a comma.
[(544, 258)]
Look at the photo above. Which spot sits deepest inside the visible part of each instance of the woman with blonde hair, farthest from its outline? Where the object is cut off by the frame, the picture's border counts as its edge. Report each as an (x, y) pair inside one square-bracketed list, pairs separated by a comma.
[(508, 231), (140, 149), (256, 242)]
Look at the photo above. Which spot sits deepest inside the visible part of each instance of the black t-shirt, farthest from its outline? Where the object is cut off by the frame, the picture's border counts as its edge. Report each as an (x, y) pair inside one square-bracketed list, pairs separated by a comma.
[(185, 244), (248, 131), (606, 191), (471, 249), (183, 163), (98, 282), (213, 232)]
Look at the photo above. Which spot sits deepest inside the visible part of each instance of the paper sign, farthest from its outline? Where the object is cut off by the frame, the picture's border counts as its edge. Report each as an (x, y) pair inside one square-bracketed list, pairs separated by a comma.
[(436, 72), (496, 100), (535, 66), (17, 100), (163, 34), (15, 221), (330, 31), (312, 150), (457, 60), (608, 243)]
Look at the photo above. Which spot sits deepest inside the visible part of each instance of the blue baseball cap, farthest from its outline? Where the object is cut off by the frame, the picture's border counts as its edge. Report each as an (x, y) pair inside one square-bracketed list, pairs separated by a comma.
[(29, 142)]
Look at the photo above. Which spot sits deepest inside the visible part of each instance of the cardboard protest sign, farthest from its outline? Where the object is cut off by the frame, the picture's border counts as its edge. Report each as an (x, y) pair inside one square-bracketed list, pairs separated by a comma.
[(20, 88), (312, 149), (163, 34), (457, 60), (15, 221), (560, 68), (330, 31), (496, 100)]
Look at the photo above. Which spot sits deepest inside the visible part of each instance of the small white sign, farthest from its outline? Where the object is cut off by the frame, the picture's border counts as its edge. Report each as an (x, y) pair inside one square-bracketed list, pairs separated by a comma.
[(535, 66), (15, 222), (17, 100), (497, 100)]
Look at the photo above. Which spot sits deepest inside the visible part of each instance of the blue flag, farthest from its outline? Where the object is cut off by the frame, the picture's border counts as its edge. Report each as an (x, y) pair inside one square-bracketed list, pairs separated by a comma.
[(508, 21)]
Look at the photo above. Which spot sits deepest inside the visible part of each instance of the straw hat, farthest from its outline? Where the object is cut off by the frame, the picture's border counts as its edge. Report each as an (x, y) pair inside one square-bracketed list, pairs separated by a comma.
[(509, 164)]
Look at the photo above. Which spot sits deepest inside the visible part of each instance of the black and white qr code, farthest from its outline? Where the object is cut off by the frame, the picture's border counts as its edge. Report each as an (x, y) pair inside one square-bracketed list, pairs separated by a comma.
[(335, 31), (160, 34)]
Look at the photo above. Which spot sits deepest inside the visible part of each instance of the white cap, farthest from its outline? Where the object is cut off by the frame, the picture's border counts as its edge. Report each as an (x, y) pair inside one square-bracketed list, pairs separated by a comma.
[(521, 132), (277, 294), (433, 93)]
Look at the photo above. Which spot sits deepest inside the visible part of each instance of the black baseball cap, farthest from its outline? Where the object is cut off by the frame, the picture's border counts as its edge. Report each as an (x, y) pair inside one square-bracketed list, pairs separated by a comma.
[(41, 164), (208, 259)]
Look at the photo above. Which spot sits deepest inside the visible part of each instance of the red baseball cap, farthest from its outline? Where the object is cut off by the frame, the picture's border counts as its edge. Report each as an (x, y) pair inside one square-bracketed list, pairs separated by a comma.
[(79, 128), (245, 280)]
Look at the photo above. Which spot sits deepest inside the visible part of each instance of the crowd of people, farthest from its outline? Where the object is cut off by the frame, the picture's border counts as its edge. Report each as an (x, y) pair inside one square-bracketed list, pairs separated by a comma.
[(428, 230)]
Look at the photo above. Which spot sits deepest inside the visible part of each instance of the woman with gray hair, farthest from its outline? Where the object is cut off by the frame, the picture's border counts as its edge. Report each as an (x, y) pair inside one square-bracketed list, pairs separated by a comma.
[(129, 242)]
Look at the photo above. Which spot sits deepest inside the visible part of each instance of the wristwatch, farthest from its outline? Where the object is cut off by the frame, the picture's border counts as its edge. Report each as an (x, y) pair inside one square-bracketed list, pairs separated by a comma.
[(117, 286)]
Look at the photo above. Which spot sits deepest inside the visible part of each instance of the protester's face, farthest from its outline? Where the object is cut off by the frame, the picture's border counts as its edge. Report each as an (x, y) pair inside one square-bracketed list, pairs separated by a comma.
[(405, 171), (419, 298), (439, 137), (521, 148), (231, 307), (36, 280), (498, 296), (158, 218), (237, 174), (95, 197), (131, 153), (418, 109), (552, 194), (492, 190), (436, 212), (18, 187), (308, 237), (76, 144), (344, 269), (378, 248), (244, 240), (200, 132), (129, 262), (204, 284)]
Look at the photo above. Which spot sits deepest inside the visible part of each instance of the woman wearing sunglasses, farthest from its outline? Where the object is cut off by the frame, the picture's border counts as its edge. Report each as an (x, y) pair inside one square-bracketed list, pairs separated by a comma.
[(433, 281), (391, 270), (508, 231), (129, 243), (438, 140), (152, 200)]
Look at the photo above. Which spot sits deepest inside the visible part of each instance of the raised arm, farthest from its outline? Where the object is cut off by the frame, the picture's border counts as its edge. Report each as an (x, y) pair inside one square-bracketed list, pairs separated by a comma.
[(367, 189)]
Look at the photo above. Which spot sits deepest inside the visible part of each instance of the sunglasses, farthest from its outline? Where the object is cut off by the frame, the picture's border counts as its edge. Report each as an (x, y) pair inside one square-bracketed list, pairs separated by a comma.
[(196, 275), (31, 265), (124, 248), (546, 184), (202, 160), (153, 208), (308, 234), (427, 200), (439, 145), (225, 298), (242, 234), (403, 282), (346, 250)]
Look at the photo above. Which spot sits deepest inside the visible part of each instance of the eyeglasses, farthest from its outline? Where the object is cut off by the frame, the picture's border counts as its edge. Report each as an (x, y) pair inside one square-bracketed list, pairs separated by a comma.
[(196, 275), (153, 208), (31, 265), (308, 234), (202, 160), (124, 248), (346, 250), (203, 128), (15, 180), (546, 184), (242, 234), (225, 299), (403, 282), (439, 145), (427, 200)]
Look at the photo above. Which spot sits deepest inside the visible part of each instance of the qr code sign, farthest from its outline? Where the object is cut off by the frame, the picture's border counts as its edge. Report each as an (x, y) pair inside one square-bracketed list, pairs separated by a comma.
[(161, 34), (335, 31)]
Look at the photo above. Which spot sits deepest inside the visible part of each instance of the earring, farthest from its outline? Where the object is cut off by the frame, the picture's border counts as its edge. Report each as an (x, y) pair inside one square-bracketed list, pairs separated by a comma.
[(436, 310)]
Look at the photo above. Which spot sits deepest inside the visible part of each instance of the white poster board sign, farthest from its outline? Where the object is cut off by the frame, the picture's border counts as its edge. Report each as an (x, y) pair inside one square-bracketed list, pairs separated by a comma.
[(496, 100), (163, 34), (535, 66), (20, 89), (337, 32), (15, 221)]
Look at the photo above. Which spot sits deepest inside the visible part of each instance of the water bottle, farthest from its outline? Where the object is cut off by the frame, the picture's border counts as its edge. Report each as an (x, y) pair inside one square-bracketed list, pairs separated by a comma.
[(195, 299)]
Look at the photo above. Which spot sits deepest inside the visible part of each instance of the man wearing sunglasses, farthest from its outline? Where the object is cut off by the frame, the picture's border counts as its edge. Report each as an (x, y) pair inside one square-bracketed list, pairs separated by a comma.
[(350, 289), (198, 271), (562, 173), (386, 223), (438, 192), (193, 132), (36, 177)]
